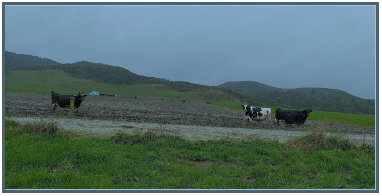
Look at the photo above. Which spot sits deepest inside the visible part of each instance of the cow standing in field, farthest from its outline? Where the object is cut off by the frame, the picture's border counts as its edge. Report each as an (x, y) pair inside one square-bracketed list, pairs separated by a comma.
[(292, 117), (64, 100), (253, 113)]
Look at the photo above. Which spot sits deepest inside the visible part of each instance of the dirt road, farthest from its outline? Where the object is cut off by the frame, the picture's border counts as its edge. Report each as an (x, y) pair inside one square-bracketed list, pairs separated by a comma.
[(105, 128)]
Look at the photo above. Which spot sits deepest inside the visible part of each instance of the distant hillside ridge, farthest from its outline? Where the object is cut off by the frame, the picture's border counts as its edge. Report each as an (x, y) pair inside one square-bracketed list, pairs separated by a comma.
[(323, 99), (108, 74), (96, 71), (15, 61), (250, 92)]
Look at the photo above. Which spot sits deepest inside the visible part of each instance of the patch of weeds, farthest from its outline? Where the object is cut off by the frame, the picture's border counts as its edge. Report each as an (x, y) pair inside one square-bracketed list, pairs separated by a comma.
[(319, 141), (11, 124), (127, 127), (41, 127), (149, 136), (367, 148)]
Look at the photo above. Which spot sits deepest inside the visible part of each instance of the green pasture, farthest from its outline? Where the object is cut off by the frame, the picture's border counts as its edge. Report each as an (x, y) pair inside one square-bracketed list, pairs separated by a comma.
[(40, 156), (47, 80), (62, 83), (358, 120)]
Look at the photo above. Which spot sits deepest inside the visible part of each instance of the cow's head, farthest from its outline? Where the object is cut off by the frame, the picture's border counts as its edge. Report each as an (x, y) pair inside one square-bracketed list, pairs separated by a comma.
[(81, 96), (247, 110), (53, 93), (307, 111)]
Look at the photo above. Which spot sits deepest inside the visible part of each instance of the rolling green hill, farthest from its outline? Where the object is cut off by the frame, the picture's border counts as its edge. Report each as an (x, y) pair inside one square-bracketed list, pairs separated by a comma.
[(323, 99), (44, 81), (15, 61), (116, 80), (111, 76)]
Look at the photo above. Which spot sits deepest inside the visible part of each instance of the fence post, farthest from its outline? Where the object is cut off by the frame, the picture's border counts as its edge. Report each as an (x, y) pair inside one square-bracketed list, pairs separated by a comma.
[(71, 107)]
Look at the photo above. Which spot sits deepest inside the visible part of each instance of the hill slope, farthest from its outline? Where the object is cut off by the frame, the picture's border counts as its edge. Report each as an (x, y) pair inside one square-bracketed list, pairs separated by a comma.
[(323, 99), (253, 93), (44, 81), (15, 61), (107, 74)]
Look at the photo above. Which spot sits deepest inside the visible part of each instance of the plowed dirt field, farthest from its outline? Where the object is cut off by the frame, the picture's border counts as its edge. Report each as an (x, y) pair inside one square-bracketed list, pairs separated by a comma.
[(103, 115)]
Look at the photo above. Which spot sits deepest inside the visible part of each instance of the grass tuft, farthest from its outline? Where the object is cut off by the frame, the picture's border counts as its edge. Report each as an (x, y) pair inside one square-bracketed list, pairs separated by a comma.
[(41, 127), (151, 135), (319, 141), (11, 123)]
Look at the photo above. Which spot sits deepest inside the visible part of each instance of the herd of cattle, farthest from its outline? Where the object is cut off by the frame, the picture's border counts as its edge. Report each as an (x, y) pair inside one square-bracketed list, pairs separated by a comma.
[(251, 113)]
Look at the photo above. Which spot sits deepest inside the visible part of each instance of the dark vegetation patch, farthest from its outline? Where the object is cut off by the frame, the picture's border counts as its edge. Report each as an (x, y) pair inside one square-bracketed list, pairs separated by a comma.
[(149, 136), (40, 127), (320, 141), (127, 127)]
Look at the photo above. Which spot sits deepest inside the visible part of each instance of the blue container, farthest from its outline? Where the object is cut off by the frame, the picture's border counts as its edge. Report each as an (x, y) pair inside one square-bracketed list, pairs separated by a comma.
[(94, 93)]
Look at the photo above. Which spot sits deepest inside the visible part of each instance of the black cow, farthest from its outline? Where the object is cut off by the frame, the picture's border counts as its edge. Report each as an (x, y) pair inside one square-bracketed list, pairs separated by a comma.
[(292, 117), (64, 100)]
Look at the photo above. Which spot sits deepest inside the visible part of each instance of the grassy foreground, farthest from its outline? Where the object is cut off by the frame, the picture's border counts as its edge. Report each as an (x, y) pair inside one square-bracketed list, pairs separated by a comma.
[(40, 156)]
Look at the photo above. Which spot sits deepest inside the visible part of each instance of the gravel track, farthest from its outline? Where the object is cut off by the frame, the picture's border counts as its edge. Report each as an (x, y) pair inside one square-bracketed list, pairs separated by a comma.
[(194, 120)]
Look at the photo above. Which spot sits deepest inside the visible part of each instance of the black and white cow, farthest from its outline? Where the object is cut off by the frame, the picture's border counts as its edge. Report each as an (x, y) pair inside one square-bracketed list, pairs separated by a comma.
[(253, 113), (64, 100), (292, 117)]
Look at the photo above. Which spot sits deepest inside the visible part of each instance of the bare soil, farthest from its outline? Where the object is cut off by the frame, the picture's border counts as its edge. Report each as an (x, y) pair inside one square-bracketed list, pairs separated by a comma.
[(103, 115)]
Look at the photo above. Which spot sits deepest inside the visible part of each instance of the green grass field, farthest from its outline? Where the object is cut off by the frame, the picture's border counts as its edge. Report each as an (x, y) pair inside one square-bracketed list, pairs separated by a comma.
[(58, 81), (360, 120), (40, 156), (357, 120)]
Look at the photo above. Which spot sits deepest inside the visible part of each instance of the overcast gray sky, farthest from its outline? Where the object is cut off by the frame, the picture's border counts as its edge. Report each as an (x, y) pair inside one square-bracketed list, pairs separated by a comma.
[(285, 46)]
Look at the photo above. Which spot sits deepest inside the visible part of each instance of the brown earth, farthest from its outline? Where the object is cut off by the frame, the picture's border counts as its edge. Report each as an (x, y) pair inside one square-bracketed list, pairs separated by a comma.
[(163, 112)]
